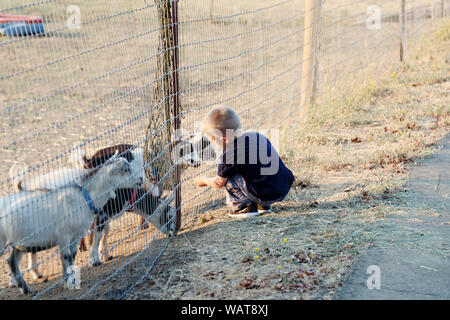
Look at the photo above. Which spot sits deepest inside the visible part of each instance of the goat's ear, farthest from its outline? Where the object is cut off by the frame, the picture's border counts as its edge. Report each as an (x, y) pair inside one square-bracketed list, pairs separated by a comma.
[(168, 196), (17, 175), (165, 194), (116, 155), (112, 194)]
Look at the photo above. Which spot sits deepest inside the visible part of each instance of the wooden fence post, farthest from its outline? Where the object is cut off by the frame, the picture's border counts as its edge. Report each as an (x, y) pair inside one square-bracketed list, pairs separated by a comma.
[(176, 107), (442, 9), (402, 19), (316, 62), (310, 64), (211, 9)]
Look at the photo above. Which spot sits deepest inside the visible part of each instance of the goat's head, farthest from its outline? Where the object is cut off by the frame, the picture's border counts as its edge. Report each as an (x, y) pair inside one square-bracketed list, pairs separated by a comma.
[(104, 155), (133, 154), (157, 209), (164, 216), (205, 149), (118, 173), (191, 153), (185, 154)]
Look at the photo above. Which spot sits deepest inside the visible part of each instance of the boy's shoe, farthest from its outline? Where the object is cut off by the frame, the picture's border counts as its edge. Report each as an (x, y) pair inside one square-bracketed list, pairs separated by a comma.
[(250, 211), (263, 209)]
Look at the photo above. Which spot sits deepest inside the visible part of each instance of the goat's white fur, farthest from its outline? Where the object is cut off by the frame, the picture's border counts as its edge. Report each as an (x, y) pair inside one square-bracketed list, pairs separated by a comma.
[(67, 176), (138, 165), (60, 217)]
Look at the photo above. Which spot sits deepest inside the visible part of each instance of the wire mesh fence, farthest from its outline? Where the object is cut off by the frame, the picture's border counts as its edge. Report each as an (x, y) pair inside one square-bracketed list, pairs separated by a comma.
[(82, 79)]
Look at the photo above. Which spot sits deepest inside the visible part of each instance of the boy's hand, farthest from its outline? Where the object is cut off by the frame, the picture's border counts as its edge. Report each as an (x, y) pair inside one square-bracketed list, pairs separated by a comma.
[(214, 182), (201, 182)]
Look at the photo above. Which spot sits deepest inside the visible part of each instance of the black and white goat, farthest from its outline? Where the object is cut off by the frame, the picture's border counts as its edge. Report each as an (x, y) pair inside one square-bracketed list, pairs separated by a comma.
[(31, 221), (149, 205), (188, 153), (192, 152)]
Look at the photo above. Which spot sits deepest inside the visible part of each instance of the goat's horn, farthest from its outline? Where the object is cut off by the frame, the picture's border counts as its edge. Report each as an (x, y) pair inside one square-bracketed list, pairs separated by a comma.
[(170, 198), (78, 157), (18, 186)]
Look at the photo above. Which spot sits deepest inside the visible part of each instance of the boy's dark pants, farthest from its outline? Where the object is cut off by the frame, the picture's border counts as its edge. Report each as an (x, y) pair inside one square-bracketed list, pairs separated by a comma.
[(239, 197)]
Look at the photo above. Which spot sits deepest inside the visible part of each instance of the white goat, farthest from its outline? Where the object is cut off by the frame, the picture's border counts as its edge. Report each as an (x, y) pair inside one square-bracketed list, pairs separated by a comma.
[(39, 220), (70, 175)]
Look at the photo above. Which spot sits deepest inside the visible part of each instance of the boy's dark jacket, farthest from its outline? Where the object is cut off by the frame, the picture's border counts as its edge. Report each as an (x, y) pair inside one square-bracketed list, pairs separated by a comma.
[(253, 157)]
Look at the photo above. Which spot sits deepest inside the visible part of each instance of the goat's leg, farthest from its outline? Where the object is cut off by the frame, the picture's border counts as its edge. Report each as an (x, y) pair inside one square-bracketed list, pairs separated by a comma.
[(155, 191), (32, 265), (94, 259), (66, 257), (73, 282), (143, 223), (99, 225), (83, 246), (88, 237), (12, 279), (103, 247), (91, 234), (14, 263), (73, 250), (67, 253)]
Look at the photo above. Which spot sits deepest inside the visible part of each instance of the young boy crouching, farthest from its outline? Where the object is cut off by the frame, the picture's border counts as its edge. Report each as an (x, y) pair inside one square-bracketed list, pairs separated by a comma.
[(249, 168)]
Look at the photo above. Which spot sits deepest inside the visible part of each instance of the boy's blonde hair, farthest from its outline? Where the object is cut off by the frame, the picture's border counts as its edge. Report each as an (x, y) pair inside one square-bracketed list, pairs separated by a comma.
[(220, 119)]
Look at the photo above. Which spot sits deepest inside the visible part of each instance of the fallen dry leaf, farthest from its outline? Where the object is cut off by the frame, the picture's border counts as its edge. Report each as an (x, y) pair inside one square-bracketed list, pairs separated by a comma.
[(412, 126), (248, 283)]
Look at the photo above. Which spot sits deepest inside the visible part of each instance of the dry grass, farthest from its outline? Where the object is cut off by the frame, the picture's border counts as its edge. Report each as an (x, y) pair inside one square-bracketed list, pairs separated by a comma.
[(351, 161)]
